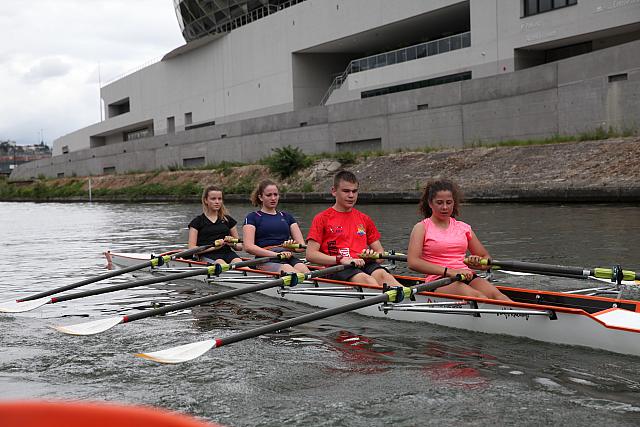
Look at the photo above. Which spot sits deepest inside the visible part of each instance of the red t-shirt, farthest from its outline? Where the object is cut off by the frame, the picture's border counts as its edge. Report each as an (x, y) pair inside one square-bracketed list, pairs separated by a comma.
[(345, 233)]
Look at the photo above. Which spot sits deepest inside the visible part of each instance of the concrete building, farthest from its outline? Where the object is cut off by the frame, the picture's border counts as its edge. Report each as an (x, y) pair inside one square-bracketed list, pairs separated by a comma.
[(330, 75)]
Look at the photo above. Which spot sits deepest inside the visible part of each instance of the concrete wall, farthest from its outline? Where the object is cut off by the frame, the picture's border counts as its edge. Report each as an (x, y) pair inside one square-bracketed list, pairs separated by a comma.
[(498, 29), (568, 97), (247, 73)]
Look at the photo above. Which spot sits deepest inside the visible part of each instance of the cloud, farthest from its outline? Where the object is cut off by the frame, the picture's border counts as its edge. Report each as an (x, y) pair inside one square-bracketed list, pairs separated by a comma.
[(47, 68), (50, 54)]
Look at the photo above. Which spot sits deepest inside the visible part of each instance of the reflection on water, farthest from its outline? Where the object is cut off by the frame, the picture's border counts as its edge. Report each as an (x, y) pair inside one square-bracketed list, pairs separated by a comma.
[(348, 370)]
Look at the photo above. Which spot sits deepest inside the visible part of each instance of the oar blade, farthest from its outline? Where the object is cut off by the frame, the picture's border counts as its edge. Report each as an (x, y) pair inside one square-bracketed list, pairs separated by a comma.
[(90, 328), (180, 354), (14, 306)]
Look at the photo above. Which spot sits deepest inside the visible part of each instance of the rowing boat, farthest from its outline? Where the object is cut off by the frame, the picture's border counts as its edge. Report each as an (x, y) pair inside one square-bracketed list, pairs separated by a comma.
[(556, 317)]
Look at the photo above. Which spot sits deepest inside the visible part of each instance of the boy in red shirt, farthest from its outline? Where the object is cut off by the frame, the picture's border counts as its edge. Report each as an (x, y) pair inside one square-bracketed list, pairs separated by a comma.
[(339, 234)]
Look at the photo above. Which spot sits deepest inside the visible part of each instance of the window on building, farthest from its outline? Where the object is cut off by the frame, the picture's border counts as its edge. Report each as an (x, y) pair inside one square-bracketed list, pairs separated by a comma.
[(119, 107), (171, 125), (193, 162), (417, 85), (137, 134), (533, 7), (188, 118)]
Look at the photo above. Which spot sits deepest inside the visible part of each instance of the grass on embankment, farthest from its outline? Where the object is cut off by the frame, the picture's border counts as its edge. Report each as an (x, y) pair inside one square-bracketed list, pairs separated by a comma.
[(234, 178), (47, 189)]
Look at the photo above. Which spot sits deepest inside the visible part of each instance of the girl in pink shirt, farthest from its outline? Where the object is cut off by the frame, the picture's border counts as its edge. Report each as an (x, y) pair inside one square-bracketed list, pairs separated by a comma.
[(439, 244)]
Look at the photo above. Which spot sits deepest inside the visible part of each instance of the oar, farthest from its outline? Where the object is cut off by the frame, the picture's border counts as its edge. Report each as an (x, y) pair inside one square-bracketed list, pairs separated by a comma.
[(393, 256), (613, 274), (188, 352), (214, 269), (294, 246), (102, 325), (153, 262)]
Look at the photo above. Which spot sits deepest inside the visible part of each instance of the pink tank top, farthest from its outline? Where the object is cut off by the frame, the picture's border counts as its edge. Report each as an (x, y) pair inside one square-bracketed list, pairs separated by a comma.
[(446, 247)]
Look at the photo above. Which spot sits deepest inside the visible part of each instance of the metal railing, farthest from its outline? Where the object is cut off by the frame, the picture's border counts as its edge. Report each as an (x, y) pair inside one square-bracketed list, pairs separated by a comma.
[(422, 50)]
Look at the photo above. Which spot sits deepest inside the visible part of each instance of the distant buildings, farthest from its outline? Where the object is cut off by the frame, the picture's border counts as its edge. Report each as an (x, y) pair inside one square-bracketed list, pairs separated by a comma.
[(12, 154)]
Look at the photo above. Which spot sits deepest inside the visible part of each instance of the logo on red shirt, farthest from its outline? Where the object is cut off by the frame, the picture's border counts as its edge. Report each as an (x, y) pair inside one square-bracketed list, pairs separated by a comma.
[(335, 230)]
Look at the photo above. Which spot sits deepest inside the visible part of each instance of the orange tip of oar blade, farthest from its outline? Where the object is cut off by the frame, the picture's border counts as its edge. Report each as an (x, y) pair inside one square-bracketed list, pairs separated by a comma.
[(180, 354)]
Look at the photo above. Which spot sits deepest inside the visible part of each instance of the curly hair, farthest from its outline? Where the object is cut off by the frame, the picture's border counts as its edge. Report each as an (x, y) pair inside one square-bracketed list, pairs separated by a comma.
[(429, 193)]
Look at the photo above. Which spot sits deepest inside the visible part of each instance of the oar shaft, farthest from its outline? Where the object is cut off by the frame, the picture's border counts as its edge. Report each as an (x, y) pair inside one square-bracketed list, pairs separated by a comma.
[(115, 273), (87, 281), (150, 281), (560, 270), (367, 302), (532, 267), (394, 257), (196, 272), (228, 294)]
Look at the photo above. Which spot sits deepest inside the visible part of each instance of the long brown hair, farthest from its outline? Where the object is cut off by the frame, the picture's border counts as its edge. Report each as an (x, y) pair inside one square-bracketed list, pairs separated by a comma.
[(223, 212), (429, 193), (262, 185)]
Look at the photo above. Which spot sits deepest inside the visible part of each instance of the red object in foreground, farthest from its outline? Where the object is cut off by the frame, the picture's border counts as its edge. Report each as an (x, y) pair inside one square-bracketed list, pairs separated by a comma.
[(83, 414)]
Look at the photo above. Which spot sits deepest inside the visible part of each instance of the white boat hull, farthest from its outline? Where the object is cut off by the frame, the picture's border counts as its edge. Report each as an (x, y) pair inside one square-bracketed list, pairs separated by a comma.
[(608, 327)]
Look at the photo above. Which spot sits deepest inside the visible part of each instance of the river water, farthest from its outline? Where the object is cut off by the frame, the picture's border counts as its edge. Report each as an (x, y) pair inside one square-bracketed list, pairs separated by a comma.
[(398, 373)]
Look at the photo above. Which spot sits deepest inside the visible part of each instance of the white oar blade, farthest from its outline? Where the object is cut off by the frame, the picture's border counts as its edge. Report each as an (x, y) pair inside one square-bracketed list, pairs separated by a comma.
[(90, 328), (180, 354), (20, 307)]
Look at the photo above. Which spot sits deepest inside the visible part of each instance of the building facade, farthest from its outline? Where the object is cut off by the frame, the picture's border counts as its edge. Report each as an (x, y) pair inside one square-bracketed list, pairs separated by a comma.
[(252, 68)]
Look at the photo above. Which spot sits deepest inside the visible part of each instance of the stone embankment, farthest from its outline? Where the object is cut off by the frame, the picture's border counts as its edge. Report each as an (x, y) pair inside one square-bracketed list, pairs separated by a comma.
[(604, 171), (589, 171)]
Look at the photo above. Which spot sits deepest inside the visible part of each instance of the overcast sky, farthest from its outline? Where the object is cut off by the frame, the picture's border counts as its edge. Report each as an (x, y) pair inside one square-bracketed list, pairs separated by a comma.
[(51, 50)]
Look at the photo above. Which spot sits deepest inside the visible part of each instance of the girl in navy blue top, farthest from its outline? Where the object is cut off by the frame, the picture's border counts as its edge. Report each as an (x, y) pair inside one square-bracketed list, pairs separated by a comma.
[(268, 227), (214, 223)]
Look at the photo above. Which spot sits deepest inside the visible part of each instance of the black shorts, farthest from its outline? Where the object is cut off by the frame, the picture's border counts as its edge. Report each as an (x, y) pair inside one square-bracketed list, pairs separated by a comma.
[(351, 271), (226, 256), (276, 264)]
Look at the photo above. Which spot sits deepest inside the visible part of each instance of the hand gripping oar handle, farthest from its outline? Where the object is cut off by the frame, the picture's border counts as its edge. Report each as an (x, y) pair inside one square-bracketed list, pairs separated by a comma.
[(213, 269), (154, 262), (188, 352), (393, 256), (288, 280), (564, 271)]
